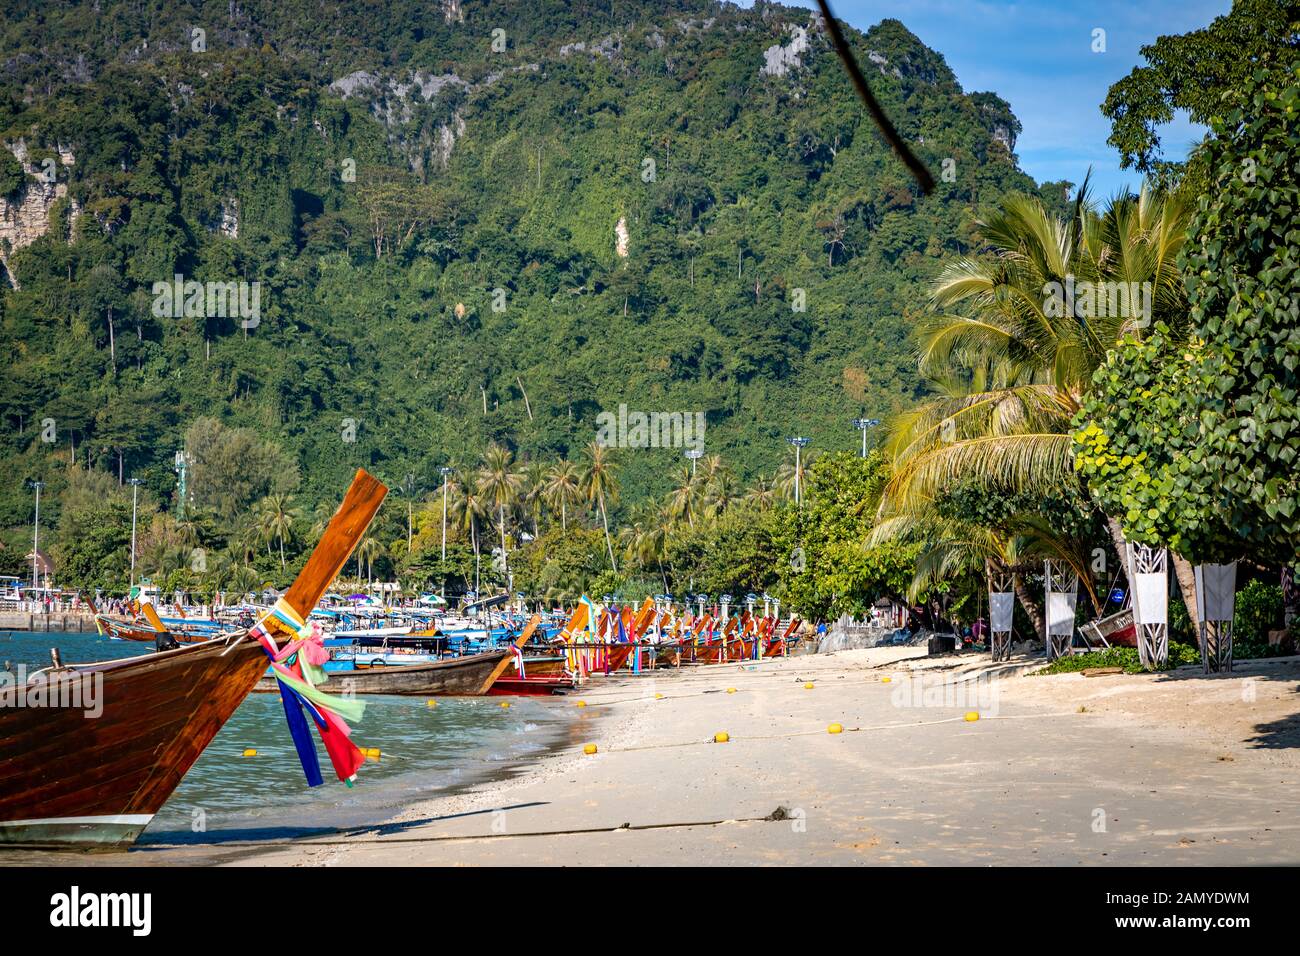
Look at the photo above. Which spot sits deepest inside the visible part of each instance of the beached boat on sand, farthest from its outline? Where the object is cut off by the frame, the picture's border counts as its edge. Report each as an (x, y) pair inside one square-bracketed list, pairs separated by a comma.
[(93, 773), (469, 676)]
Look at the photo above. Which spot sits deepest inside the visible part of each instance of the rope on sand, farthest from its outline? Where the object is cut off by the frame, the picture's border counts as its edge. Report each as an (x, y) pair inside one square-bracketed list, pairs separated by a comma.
[(776, 816)]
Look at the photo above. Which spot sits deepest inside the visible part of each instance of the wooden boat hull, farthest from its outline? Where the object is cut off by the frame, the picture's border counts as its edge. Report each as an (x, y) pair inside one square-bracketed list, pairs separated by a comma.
[(539, 686), (469, 676), (157, 713), (92, 752), (708, 654), (618, 656), (538, 666), (666, 656)]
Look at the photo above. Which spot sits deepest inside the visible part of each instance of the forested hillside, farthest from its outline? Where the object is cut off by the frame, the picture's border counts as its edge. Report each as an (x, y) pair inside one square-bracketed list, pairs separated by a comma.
[(470, 222)]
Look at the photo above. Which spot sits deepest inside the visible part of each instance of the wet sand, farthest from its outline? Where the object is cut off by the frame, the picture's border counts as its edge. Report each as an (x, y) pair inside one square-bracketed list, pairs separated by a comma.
[(1149, 769)]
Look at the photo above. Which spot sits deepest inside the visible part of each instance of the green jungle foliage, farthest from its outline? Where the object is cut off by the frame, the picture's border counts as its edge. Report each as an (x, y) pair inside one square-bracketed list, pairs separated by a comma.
[(1191, 439), (1180, 655), (433, 222)]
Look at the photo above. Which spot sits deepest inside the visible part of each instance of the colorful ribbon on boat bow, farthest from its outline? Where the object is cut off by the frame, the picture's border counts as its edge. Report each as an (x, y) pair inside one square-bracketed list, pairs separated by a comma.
[(298, 668)]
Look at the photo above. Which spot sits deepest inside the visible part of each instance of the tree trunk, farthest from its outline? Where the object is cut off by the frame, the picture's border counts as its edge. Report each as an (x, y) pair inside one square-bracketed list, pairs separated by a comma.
[(1121, 548), (1032, 607), (473, 534), (609, 544), (1187, 584), (1183, 573), (505, 557)]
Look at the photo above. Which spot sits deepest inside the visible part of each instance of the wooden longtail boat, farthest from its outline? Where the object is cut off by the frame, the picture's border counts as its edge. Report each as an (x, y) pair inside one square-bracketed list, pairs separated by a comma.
[(94, 772), (468, 676), (777, 647)]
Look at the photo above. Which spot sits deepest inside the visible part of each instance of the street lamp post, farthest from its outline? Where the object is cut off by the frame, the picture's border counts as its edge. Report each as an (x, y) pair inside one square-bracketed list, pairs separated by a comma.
[(36, 537), (798, 443), (694, 454), (864, 425), (444, 471)]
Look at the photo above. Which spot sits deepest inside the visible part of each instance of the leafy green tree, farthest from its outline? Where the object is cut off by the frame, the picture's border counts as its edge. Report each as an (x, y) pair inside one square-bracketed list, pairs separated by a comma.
[(1201, 457), (1194, 71), (93, 546), (12, 177), (827, 566)]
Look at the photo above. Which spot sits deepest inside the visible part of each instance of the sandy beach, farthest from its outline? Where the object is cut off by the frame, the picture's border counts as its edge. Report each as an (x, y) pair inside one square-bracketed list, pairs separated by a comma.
[(1145, 769)]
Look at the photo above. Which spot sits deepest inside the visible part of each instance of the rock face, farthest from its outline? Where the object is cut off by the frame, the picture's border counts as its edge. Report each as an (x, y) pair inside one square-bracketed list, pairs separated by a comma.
[(778, 59), (24, 218), (621, 237), (391, 102)]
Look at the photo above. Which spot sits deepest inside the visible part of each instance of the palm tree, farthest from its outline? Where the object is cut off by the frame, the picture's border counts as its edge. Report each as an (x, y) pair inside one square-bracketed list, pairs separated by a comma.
[(321, 516), (684, 499), (534, 492), (276, 517), (468, 506), (786, 482), (951, 548), (244, 580), (599, 485), (500, 484), (366, 551), (1013, 352), (562, 489), (409, 488), (721, 492), (762, 494), (217, 577), (645, 538)]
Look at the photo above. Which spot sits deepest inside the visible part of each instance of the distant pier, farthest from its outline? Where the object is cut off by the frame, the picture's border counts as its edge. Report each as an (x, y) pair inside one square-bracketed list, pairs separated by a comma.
[(54, 621)]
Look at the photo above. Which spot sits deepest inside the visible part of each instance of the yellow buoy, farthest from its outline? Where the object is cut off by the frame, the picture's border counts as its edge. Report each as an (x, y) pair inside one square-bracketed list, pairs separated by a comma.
[(808, 686), (505, 705), (589, 749), (250, 753), (886, 680), (835, 729), (972, 715), (721, 737), (430, 703), (370, 753), (582, 703), (659, 696), (731, 690)]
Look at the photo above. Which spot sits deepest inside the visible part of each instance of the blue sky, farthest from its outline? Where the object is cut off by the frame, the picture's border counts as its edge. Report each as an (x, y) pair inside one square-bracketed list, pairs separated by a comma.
[(1037, 55)]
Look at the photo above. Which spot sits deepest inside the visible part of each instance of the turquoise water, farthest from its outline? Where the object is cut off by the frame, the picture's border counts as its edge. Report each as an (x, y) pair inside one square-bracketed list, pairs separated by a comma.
[(425, 750)]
